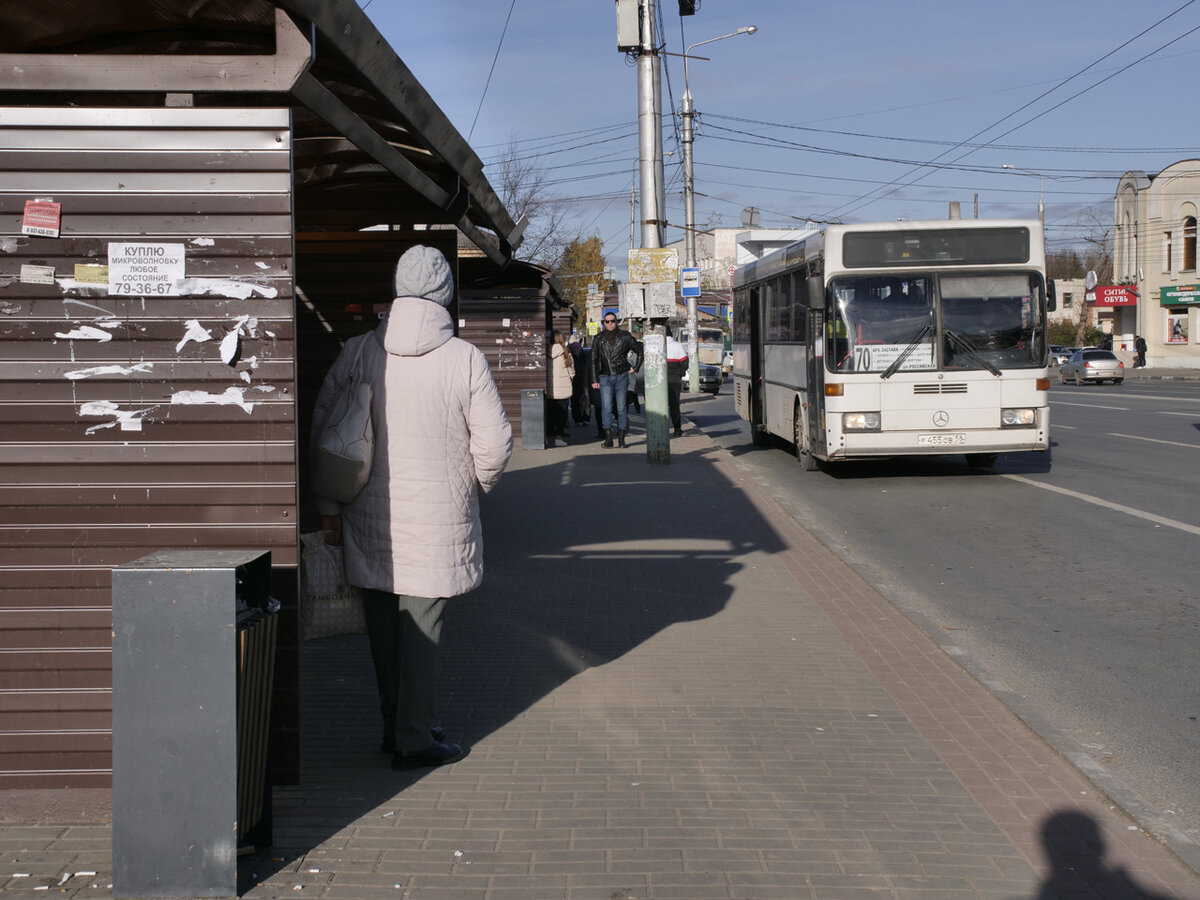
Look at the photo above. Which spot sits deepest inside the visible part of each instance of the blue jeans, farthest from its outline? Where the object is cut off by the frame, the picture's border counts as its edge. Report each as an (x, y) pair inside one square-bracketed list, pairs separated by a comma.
[(614, 388)]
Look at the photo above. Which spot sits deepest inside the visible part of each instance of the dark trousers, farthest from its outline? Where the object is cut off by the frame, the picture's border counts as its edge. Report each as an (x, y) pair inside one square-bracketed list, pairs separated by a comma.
[(559, 413), (674, 389), (405, 633)]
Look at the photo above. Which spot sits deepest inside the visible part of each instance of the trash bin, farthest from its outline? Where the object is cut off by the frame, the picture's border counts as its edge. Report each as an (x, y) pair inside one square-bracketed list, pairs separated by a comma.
[(193, 657), (533, 419)]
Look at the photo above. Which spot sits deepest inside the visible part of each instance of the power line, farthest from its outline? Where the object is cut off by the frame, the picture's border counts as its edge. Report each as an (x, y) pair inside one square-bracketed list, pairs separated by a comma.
[(934, 142), (894, 184), (488, 83)]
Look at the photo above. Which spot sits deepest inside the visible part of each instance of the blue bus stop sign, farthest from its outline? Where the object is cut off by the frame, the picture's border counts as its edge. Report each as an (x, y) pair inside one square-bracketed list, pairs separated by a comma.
[(689, 282)]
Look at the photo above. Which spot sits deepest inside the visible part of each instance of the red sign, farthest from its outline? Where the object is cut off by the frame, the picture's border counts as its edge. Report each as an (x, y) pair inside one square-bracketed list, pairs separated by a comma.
[(41, 218), (1115, 295)]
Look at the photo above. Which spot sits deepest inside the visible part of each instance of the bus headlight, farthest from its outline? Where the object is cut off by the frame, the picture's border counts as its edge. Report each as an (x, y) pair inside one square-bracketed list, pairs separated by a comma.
[(863, 421), (1018, 418)]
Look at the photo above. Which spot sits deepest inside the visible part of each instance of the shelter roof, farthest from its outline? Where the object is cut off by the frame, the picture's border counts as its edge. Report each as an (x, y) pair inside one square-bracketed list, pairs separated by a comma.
[(370, 146)]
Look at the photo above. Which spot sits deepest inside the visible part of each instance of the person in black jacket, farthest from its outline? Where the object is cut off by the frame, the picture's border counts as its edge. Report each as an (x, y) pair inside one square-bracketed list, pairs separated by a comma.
[(1139, 345), (615, 354)]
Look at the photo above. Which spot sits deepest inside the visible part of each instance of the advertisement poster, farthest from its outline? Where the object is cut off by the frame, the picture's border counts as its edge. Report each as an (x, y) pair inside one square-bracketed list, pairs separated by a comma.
[(145, 269), (42, 218), (1177, 328)]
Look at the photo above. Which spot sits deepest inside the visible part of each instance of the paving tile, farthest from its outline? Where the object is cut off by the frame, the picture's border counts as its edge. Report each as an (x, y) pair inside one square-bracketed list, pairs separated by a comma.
[(668, 705)]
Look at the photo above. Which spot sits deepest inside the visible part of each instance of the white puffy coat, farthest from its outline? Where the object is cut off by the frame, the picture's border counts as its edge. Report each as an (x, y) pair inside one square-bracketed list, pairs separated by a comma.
[(440, 436)]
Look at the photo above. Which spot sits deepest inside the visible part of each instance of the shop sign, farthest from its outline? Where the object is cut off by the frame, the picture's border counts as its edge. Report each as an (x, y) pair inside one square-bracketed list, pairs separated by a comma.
[(1180, 295), (1115, 295)]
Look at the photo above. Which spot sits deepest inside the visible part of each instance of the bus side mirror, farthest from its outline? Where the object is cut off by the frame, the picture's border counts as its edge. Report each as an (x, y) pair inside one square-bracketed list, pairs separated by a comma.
[(1051, 296), (816, 292)]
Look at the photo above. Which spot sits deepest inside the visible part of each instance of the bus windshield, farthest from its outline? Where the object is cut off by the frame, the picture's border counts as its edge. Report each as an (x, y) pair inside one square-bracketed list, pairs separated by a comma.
[(875, 319), (991, 319), (987, 321)]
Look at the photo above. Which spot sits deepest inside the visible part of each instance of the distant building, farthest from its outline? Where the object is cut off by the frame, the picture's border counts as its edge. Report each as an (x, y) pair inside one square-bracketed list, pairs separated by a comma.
[(1070, 300), (1154, 218), (719, 250)]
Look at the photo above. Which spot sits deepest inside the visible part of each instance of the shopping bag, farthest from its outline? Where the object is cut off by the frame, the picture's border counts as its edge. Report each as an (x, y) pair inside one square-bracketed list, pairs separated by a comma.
[(342, 452), (328, 606)]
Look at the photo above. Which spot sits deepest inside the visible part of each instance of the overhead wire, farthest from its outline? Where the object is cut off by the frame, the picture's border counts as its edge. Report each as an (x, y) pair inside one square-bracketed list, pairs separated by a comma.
[(488, 82), (894, 184)]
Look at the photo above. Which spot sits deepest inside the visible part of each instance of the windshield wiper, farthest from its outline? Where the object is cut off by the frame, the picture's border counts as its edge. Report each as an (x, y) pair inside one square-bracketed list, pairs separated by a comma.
[(906, 353), (969, 349)]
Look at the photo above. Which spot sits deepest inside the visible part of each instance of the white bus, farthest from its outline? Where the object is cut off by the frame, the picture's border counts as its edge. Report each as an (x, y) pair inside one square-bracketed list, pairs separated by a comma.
[(898, 338)]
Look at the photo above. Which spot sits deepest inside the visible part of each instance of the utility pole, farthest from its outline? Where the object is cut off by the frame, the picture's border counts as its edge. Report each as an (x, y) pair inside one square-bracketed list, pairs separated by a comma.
[(689, 234), (654, 341), (689, 203)]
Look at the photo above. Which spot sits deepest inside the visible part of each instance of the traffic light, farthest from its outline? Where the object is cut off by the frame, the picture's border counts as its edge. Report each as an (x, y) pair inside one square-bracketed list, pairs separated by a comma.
[(687, 7)]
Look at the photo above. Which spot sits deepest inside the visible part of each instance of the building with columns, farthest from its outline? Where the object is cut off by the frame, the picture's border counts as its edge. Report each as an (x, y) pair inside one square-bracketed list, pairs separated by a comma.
[(1155, 218)]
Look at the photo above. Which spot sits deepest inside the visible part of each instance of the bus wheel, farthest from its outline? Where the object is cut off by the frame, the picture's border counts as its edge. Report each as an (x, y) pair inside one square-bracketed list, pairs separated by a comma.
[(808, 462), (981, 460)]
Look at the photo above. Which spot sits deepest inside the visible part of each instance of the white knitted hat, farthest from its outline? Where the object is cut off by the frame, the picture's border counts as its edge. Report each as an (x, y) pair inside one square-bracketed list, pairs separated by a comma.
[(423, 272)]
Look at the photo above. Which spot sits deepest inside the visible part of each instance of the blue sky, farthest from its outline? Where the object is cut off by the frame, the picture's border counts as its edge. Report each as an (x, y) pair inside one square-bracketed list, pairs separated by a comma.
[(860, 110)]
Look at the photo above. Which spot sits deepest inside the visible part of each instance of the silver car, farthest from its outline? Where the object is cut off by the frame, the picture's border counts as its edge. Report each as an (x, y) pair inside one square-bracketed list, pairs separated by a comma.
[(1089, 364), (1059, 354)]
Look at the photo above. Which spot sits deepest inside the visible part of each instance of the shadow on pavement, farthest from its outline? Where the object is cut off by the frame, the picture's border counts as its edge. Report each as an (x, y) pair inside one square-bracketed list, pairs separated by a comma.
[(1074, 848), (588, 553)]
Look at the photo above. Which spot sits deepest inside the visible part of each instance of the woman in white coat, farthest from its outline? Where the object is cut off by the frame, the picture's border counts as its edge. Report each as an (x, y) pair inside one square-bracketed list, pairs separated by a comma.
[(413, 536), (562, 386)]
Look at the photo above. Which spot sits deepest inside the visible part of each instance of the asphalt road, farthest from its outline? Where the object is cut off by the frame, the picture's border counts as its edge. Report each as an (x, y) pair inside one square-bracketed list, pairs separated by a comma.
[(1072, 580)]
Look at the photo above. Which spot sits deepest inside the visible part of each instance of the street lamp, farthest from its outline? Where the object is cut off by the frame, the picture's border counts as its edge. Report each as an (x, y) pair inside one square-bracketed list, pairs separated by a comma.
[(1041, 205), (689, 205)]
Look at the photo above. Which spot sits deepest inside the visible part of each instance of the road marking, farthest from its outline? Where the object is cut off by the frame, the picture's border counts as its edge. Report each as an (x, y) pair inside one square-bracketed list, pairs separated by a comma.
[(1138, 437), (1116, 507), (1090, 405), (1163, 412), (1056, 426), (1164, 397)]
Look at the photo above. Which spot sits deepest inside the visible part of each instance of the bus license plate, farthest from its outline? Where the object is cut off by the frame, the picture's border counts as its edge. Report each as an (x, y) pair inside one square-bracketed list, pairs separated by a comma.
[(941, 440)]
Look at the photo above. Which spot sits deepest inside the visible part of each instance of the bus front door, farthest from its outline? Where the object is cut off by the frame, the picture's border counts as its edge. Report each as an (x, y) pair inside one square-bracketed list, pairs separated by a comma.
[(815, 394), (757, 425)]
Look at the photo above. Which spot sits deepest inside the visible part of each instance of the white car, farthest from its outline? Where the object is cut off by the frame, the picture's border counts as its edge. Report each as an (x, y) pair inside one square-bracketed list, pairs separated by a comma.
[(727, 363)]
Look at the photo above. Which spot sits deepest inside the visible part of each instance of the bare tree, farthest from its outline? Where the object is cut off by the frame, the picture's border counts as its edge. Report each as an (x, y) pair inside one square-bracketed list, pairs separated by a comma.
[(1098, 236), (521, 183)]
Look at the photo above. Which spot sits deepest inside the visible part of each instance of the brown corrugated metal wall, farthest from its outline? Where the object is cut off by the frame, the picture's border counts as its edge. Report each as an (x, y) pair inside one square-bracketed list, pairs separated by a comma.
[(510, 327), (132, 423)]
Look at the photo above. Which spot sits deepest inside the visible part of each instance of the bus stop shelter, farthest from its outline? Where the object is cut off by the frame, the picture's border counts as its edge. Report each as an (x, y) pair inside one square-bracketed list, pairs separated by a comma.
[(184, 189)]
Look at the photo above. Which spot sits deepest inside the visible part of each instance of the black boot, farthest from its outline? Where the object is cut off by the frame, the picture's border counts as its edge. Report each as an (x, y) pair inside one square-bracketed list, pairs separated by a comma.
[(621, 437), (608, 438)]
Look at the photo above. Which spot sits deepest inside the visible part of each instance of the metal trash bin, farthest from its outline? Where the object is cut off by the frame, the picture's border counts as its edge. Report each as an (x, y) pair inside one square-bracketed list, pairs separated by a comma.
[(533, 419), (193, 662)]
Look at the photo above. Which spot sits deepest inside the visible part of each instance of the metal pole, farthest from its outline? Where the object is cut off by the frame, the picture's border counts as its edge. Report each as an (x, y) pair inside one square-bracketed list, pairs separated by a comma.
[(689, 236), (647, 123), (654, 363), (689, 206)]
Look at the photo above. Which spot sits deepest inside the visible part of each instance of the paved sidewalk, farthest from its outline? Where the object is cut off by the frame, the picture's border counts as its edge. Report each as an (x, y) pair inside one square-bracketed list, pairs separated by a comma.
[(671, 690)]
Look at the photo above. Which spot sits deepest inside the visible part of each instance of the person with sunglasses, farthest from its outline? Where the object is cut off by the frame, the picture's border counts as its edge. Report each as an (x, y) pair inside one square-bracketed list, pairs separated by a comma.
[(616, 354)]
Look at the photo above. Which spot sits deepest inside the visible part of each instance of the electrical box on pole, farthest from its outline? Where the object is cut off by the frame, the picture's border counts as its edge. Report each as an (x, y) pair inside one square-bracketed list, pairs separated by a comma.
[(687, 7), (629, 32)]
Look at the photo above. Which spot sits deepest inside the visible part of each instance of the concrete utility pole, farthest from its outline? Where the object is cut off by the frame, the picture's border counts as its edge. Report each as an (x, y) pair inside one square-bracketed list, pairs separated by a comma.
[(654, 341)]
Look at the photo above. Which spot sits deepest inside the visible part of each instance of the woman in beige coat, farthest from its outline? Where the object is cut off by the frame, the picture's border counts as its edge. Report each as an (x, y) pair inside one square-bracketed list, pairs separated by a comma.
[(562, 386), (413, 537)]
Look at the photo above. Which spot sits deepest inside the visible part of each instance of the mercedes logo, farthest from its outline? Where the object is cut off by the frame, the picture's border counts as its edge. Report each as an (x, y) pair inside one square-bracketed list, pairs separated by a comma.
[(941, 418)]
